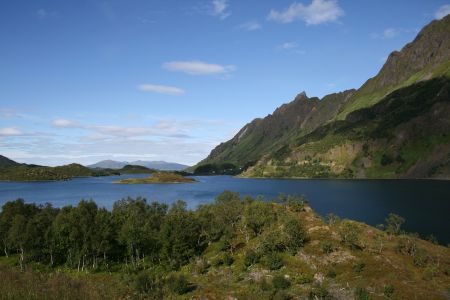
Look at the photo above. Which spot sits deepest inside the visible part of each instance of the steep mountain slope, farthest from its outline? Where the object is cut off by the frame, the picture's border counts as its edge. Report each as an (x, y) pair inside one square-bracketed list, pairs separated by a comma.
[(262, 136), (424, 58), (298, 134), (406, 135)]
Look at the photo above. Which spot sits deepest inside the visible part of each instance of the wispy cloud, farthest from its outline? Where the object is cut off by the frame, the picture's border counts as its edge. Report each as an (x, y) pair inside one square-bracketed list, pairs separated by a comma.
[(163, 128), (442, 11), (10, 131), (318, 12), (391, 32), (220, 8), (197, 67), (250, 26), (388, 33), (45, 13), (288, 46), (63, 123), (161, 89)]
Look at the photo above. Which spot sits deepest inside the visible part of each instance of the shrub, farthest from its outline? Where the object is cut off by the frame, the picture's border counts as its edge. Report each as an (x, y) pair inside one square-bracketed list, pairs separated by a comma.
[(224, 244), (432, 239), (228, 259), (179, 284), (258, 214), (273, 261), (407, 245), (349, 233), (273, 242), (281, 295), (296, 235), (305, 278), (327, 248), (279, 282), (201, 266), (296, 203), (361, 294), (264, 285), (148, 282), (394, 223), (420, 259), (388, 290), (251, 258), (386, 160), (331, 273), (319, 293), (332, 219), (217, 262)]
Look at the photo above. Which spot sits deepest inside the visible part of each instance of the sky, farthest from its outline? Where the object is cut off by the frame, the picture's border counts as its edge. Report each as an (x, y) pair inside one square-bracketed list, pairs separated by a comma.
[(82, 81)]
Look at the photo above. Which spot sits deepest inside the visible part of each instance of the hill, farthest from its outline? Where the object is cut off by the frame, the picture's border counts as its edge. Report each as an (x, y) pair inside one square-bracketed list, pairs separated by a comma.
[(234, 248), (334, 136), (156, 165), (13, 171)]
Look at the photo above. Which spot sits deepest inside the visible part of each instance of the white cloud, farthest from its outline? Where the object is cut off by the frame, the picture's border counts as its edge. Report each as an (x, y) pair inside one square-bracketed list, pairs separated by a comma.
[(220, 9), (197, 67), (318, 12), (10, 131), (250, 26), (161, 89), (63, 123), (287, 46), (442, 11)]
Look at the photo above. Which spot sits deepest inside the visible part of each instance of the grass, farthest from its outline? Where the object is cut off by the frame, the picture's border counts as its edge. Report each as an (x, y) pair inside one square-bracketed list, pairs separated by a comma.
[(159, 177)]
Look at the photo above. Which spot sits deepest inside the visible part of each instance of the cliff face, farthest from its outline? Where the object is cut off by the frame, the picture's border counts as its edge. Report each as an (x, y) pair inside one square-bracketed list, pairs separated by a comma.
[(395, 125)]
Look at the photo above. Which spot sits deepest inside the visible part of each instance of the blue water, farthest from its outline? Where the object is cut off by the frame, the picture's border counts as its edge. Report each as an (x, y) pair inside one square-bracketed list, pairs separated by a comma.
[(424, 204)]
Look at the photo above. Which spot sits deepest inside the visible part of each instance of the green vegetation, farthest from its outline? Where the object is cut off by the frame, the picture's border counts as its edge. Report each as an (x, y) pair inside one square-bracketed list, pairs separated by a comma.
[(13, 171), (158, 177), (235, 247), (398, 137)]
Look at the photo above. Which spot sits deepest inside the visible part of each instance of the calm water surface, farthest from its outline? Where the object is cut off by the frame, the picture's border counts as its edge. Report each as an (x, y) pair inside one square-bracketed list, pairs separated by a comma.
[(424, 204)]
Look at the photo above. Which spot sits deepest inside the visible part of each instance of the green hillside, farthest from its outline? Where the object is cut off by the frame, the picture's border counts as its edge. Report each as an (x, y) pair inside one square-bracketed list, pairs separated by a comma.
[(364, 133), (407, 134), (234, 248)]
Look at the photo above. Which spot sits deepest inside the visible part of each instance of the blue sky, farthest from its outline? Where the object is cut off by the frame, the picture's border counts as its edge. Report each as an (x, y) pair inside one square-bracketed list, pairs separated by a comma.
[(82, 81)]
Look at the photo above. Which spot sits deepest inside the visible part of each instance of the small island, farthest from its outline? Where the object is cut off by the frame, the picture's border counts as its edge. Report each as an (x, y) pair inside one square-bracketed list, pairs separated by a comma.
[(158, 177)]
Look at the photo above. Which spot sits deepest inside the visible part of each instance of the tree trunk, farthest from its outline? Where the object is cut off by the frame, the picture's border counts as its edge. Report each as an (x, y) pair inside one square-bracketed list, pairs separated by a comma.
[(6, 251), (21, 259)]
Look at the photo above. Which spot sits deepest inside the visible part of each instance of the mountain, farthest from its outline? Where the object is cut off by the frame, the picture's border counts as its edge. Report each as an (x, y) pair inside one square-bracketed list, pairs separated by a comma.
[(395, 125), (108, 164), (6, 162), (157, 165)]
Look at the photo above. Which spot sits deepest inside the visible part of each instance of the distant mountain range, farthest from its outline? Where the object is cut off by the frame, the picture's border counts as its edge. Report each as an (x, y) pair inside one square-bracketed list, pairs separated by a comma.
[(396, 125), (157, 165)]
